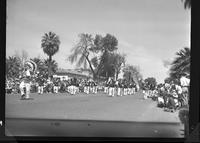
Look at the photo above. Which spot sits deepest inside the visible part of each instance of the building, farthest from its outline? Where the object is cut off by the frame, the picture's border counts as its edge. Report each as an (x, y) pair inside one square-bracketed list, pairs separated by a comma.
[(65, 74)]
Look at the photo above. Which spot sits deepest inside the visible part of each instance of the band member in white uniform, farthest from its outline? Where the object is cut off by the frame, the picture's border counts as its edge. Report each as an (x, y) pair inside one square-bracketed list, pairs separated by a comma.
[(30, 69), (185, 83), (56, 85), (25, 83), (111, 88), (95, 87), (125, 87), (118, 88)]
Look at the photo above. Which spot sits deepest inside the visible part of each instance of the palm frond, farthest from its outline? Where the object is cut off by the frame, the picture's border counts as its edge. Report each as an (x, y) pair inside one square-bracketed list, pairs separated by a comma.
[(50, 43), (81, 61), (181, 63)]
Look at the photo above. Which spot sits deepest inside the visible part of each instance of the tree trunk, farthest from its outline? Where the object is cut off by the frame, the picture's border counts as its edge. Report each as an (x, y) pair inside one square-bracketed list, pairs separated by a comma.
[(106, 75), (94, 75), (49, 66)]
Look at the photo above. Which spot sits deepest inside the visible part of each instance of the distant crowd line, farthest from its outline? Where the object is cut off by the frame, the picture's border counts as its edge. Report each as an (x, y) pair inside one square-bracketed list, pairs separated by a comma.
[(169, 96), (74, 86)]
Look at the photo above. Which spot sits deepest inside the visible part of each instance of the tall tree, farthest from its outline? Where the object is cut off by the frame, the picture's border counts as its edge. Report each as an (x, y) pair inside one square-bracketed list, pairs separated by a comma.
[(101, 47), (81, 52), (107, 68), (132, 73), (119, 60), (105, 46), (50, 45), (181, 63), (53, 65), (151, 82), (112, 67)]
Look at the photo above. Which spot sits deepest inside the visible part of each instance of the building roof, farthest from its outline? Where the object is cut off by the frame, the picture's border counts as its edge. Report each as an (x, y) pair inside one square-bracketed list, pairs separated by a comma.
[(77, 72)]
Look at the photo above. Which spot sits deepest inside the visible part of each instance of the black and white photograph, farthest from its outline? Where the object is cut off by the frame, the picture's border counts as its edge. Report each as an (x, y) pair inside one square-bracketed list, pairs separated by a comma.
[(98, 68)]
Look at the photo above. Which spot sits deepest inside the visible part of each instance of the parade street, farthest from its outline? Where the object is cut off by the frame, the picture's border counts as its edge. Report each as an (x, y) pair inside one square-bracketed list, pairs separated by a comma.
[(99, 107), (82, 106)]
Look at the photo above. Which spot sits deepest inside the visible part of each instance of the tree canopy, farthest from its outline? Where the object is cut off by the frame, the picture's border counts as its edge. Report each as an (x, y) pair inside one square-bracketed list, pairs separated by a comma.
[(50, 45), (101, 48), (132, 73), (181, 64), (151, 82), (13, 67)]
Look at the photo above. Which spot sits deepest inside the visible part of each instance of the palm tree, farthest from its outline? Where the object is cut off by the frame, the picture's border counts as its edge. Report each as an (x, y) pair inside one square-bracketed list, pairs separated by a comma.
[(187, 3), (50, 45), (53, 66), (81, 52), (181, 64)]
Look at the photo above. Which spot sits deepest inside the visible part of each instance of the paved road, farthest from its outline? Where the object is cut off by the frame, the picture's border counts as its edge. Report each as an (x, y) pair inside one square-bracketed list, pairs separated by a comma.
[(146, 118), (99, 107)]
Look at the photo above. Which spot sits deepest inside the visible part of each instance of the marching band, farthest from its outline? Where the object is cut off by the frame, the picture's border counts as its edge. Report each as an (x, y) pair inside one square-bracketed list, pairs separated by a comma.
[(26, 78), (168, 95)]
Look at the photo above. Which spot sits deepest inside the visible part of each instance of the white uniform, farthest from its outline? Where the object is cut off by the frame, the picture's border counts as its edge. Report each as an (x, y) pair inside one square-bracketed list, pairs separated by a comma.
[(167, 86), (55, 89), (160, 100), (185, 82), (40, 89), (137, 87), (25, 83), (175, 95), (178, 89)]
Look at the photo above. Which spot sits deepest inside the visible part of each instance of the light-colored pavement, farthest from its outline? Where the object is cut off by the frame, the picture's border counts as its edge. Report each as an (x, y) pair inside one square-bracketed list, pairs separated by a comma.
[(98, 107), (89, 115)]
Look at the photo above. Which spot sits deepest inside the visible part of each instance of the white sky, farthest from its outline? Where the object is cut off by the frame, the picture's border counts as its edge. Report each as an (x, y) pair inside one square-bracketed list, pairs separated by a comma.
[(148, 31)]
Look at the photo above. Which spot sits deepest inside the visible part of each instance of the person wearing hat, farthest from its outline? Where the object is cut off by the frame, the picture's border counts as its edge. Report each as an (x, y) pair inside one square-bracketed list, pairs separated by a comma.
[(40, 81), (179, 92), (134, 88), (25, 83), (185, 83), (55, 85), (95, 87), (117, 83), (160, 99), (87, 87), (84, 86), (129, 88), (92, 88), (112, 87), (175, 95), (121, 85), (125, 86), (106, 86)]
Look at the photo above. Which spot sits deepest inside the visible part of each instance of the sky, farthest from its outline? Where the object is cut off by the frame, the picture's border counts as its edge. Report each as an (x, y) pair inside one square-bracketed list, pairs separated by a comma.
[(149, 32)]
